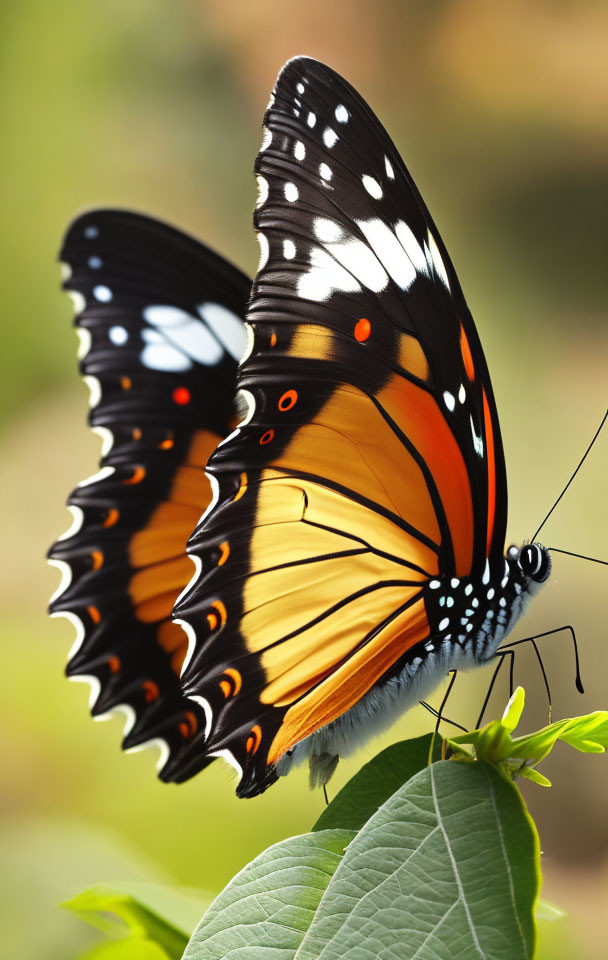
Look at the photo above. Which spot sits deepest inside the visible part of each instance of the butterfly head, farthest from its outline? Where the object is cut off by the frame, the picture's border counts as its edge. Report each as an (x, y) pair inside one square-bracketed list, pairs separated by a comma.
[(533, 561)]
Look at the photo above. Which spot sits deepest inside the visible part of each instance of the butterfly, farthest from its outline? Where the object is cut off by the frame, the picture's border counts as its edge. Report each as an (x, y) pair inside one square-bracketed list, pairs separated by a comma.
[(160, 322), (353, 550)]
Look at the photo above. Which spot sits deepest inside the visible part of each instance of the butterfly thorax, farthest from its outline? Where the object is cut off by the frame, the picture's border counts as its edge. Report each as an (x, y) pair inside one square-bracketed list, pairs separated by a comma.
[(471, 616)]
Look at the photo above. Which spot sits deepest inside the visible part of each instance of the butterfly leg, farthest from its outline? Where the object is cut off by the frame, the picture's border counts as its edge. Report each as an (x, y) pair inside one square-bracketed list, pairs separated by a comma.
[(548, 633), (501, 658), (435, 713)]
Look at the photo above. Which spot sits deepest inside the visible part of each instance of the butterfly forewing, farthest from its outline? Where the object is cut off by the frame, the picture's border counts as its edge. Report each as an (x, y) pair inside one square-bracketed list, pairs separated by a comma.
[(370, 459), (159, 317)]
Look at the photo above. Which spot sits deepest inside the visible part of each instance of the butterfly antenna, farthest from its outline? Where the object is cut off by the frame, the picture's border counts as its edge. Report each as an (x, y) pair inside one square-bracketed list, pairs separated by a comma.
[(325, 795), (581, 462), (581, 556)]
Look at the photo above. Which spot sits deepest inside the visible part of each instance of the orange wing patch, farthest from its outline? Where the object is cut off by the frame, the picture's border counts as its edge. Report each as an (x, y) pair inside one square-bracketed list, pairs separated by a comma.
[(417, 414), (350, 431), (157, 552)]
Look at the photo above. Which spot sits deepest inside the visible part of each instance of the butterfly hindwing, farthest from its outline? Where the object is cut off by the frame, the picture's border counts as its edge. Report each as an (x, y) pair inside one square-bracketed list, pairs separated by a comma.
[(370, 458), (159, 318)]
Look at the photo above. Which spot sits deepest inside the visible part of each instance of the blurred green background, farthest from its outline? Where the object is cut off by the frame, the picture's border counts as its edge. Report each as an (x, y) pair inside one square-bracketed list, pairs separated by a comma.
[(499, 110)]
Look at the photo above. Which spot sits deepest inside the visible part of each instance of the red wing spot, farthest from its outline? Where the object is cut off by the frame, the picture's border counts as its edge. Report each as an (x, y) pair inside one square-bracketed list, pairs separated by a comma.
[(114, 663), (189, 725), (112, 517), (166, 444), (126, 383), (362, 330), (212, 620), (288, 400), (273, 339), (226, 688), (254, 740), (136, 433), (267, 437), (181, 396), (94, 614), (225, 553), (151, 691), (467, 356), (97, 558)]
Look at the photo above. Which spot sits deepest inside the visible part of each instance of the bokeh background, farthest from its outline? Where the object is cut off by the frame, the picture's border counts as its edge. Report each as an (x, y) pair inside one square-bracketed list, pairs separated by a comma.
[(499, 110)]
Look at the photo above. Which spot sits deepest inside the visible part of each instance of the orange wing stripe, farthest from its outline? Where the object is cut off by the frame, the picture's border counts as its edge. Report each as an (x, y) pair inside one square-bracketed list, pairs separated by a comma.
[(467, 356), (491, 470), (418, 415)]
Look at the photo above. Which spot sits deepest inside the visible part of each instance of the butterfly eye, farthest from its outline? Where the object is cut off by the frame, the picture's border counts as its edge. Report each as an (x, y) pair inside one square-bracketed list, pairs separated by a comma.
[(535, 562)]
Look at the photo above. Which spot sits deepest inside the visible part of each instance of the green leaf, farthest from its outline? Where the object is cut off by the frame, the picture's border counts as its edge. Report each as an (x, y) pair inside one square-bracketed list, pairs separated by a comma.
[(518, 756), (266, 909), (448, 867), (147, 917), (376, 782)]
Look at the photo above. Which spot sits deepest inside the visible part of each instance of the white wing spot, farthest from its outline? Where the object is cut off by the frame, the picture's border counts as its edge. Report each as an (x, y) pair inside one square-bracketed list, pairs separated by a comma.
[(97, 477), (227, 327), (78, 300), (341, 113), (329, 137), (184, 338), (327, 231), (311, 119), (160, 355), (372, 186), (389, 251), (289, 249), (266, 139), (412, 247), (118, 335), (291, 192), (448, 399), (438, 263), (389, 169), (299, 150), (95, 263), (102, 293), (84, 342), (462, 393), (91, 232), (300, 88), (325, 171), (325, 277), (477, 441), (264, 250), (94, 389), (444, 624), (262, 191)]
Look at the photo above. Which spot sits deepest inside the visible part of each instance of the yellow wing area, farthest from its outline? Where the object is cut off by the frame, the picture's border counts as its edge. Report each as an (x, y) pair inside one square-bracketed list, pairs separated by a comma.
[(330, 573)]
